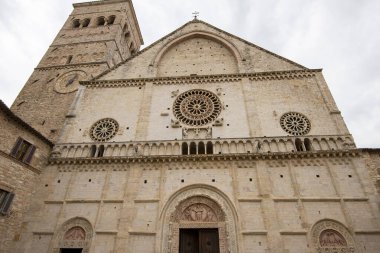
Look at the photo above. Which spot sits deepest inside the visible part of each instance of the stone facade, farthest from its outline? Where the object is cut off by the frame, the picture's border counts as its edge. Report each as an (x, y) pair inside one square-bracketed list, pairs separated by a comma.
[(200, 130), (372, 159)]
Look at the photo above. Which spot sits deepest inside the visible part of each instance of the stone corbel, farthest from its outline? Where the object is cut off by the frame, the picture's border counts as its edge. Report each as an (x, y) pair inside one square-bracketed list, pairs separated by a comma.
[(219, 122), (175, 93), (175, 123)]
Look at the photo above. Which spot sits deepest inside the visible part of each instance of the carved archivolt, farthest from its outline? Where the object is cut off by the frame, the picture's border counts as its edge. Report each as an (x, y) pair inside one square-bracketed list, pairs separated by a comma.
[(198, 207), (74, 233), (331, 236)]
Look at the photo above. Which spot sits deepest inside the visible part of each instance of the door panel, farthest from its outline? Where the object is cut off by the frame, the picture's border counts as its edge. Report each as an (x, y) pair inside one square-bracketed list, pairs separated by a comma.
[(71, 251), (208, 241), (199, 241), (189, 241)]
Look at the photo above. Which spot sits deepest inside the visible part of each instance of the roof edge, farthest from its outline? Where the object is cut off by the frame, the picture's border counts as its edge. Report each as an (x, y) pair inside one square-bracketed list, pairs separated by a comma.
[(10, 114), (181, 27), (250, 43), (140, 52)]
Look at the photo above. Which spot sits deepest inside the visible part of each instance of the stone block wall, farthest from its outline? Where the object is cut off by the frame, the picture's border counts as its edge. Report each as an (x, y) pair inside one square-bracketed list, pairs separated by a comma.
[(277, 202), (18, 177), (372, 161), (41, 106), (250, 108)]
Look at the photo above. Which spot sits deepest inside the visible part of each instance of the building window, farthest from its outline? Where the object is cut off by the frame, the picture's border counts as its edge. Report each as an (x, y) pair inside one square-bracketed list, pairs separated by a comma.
[(111, 20), (101, 21), (93, 151), (197, 107), (308, 145), (69, 59), (101, 151), (23, 151), (104, 129), (193, 148), (210, 149), (295, 123), (6, 199), (185, 149), (201, 148), (76, 23), (127, 35), (125, 28), (299, 146)]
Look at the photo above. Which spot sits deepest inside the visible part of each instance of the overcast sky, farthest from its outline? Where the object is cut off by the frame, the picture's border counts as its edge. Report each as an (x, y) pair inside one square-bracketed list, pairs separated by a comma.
[(340, 36)]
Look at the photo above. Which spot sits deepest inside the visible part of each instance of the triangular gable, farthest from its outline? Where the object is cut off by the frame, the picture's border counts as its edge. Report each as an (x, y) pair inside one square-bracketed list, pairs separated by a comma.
[(249, 57)]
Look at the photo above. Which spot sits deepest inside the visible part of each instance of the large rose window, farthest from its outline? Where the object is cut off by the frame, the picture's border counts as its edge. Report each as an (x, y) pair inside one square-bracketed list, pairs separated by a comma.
[(197, 107)]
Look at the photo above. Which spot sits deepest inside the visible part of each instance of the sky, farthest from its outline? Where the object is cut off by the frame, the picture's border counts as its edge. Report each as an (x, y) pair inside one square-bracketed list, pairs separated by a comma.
[(340, 36)]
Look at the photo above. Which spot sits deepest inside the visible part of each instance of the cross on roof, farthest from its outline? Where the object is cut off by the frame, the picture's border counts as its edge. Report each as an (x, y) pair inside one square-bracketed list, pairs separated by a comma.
[(195, 14)]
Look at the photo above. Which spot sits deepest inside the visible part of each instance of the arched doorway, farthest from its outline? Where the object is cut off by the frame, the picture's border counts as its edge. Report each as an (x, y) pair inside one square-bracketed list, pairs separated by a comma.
[(198, 219), (331, 236), (74, 236)]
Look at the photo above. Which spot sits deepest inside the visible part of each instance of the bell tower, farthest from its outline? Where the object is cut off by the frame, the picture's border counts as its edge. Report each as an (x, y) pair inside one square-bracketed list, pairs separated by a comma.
[(96, 36)]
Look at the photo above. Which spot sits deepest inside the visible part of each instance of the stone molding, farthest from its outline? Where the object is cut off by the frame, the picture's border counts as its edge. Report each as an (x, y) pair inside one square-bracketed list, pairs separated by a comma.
[(72, 66), (259, 76), (192, 158), (115, 83), (272, 147)]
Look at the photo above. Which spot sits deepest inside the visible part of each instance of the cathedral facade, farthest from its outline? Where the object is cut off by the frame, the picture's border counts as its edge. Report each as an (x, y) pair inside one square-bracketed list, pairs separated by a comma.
[(201, 142)]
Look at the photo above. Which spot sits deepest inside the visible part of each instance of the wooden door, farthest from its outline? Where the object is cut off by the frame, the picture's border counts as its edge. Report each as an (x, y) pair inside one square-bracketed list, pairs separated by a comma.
[(208, 241), (71, 251), (189, 241), (199, 241)]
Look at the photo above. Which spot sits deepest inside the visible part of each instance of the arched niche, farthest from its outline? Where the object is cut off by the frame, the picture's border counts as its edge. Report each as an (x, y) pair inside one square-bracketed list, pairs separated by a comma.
[(198, 207), (329, 236), (199, 53), (75, 233)]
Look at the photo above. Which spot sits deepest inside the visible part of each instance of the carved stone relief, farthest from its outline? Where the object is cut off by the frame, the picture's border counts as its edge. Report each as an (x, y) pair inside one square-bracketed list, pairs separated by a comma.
[(198, 208), (197, 133), (74, 233), (331, 236)]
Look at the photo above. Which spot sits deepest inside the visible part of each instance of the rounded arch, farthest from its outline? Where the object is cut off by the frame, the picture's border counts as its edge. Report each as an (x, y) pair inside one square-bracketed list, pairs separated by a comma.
[(331, 234), (76, 232), (232, 49), (221, 214)]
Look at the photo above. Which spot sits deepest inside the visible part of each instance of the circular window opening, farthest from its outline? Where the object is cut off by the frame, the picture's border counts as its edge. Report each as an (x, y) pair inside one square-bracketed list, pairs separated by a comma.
[(104, 129), (197, 107), (295, 123)]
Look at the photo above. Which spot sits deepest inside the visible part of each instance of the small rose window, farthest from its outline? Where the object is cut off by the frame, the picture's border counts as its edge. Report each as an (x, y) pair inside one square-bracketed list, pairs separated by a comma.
[(104, 130), (295, 123)]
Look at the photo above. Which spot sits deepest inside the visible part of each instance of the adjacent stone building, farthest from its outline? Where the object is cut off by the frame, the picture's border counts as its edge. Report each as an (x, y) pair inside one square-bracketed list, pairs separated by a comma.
[(200, 142), (23, 156)]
